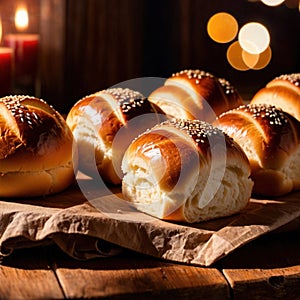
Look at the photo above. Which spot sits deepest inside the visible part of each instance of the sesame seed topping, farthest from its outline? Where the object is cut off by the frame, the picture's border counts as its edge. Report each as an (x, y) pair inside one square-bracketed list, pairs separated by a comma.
[(124, 95), (199, 131), (227, 87), (20, 112), (127, 98), (294, 78), (273, 115), (195, 74)]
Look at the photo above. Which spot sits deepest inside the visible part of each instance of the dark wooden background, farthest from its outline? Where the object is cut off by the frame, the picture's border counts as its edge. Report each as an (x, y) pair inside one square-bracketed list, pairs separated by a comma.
[(89, 45)]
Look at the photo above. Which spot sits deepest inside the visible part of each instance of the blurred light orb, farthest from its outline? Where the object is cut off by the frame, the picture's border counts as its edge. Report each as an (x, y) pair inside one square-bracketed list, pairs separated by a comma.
[(254, 38), (222, 27), (250, 59), (272, 2), (241, 60), (235, 57), (263, 60)]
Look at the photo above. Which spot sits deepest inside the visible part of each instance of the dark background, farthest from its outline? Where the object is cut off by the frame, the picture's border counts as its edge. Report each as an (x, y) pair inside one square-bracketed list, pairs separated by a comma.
[(89, 45)]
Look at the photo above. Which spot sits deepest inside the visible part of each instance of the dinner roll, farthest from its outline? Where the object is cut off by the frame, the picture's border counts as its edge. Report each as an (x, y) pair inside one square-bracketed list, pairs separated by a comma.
[(35, 148), (103, 125), (270, 138), (195, 94), (186, 171), (283, 92)]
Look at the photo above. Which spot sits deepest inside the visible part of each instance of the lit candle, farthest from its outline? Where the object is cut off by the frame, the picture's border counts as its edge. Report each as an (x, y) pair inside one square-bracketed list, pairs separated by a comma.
[(5, 68), (25, 47)]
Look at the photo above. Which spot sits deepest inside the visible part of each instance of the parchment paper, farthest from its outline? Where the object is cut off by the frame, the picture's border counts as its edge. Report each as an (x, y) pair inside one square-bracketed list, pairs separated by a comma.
[(102, 225)]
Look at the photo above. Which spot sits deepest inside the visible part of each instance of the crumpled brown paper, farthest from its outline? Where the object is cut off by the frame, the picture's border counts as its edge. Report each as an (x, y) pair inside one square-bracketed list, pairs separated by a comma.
[(100, 224)]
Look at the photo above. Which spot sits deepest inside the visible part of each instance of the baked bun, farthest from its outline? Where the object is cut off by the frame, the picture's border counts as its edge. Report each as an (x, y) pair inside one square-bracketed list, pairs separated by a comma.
[(186, 171), (270, 138), (35, 148), (195, 94), (283, 92), (98, 119)]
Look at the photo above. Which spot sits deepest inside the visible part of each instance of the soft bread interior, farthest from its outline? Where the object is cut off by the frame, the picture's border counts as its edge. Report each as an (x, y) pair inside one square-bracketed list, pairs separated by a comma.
[(143, 182), (223, 198), (206, 193)]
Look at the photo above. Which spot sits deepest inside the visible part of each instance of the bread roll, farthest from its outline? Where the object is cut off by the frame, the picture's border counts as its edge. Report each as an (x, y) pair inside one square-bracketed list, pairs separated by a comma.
[(98, 119), (270, 138), (35, 148), (283, 92), (186, 171), (195, 94)]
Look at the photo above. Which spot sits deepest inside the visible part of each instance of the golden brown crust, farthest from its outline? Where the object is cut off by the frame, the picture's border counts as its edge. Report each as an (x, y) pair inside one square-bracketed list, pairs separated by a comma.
[(269, 136), (207, 96), (96, 120), (180, 156), (36, 183), (290, 80), (283, 92), (169, 167), (34, 139), (173, 151), (218, 92)]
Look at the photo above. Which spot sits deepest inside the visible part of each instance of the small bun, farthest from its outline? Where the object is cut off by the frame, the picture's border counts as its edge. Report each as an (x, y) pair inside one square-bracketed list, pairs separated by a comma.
[(35, 148), (98, 119), (271, 139), (283, 92), (195, 94), (186, 171)]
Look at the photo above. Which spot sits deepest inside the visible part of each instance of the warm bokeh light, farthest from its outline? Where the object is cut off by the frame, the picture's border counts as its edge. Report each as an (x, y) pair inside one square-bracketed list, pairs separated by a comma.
[(222, 27), (264, 59), (254, 38), (241, 60), (250, 59), (235, 57), (21, 18), (272, 2)]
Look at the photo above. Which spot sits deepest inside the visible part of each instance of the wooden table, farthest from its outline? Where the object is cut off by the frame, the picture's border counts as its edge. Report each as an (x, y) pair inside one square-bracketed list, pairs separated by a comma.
[(268, 268)]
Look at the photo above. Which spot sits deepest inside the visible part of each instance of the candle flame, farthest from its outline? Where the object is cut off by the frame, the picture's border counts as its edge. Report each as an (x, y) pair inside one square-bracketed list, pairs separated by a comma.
[(21, 18)]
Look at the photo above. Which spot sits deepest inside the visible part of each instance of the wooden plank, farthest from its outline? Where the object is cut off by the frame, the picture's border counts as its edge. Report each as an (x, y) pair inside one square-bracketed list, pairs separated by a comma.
[(268, 268), (140, 277), (271, 251), (282, 283), (27, 275)]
